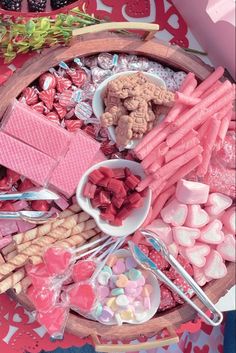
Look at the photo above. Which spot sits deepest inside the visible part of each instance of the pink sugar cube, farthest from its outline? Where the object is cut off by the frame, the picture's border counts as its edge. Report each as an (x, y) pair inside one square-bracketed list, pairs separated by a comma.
[(7, 227), (24, 159), (78, 159), (29, 126)]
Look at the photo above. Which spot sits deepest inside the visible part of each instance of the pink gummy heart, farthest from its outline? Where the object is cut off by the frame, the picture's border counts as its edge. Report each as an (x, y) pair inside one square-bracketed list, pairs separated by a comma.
[(162, 229), (229, 220), (217, 203), (43, 299), (199, 276), (82, 297), (83, 270), (227, 249), (197, 217), (212, 233), (215, 267), (57, 260), (185, 236), (197, 254), (174, 213), (54, 320)]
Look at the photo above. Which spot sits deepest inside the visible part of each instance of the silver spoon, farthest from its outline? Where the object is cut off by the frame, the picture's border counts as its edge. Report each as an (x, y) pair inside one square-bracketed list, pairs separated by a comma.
[(38, 217), (33, 194)]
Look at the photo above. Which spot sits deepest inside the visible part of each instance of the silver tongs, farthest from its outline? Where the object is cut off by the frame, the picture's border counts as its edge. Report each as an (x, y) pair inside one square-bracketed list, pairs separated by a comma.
[(30, 216), (148, 264)]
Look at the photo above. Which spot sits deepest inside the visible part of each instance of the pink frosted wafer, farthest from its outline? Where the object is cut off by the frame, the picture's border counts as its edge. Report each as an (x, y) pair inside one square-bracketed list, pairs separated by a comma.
[(31, 127), (198, 119), (224, 127), (160, 202), (183, 171), (156, 153), (25, 160), (186, 100), (208, 145), (209, 81), (159, 188), (176, 151), (156, 165), (188, 79), (190, 135), (211, 89), (152, 134), (144, 183)]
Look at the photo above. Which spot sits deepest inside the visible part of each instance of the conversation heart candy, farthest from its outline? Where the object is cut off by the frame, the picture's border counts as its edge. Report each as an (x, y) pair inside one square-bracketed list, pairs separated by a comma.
[(140, 281), (117, 291), (107, 269), (119, 267), (134, 274), (217, 203), (122, 300), (111, 303), (185, 236), (197, 254), (102, 292), (83, 270), (227, 249), (103, 278), (57, 260), (162, 229), (111, 260), (82, 296), (130, 262), (199, 276), (191, 193), (122, 281), (229, 220), (147, 303), (215, 267), (197, 217), (212, 233), (174, 213), (98, 311), (106, 315), (127, 315)]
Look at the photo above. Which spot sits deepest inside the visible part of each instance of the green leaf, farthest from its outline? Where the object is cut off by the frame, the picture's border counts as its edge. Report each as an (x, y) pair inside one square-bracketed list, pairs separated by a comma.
[(45, 24), (70, 20), (3, 32), (30, 27)]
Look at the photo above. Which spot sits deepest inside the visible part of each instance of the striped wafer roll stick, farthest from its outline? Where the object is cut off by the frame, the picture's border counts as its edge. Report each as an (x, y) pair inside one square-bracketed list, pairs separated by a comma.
[(183, 171), (144, 183), (22, 285), (177, 151), (35, 260), (202, 131), (224, 128), (158, 151), (209, 81), (211, 89), (9, 248), (147, 138), (198, 119), (11, 280), (189, 78), (73, 241), (158, 190), (90, 233), (156, 165), (208, 145), (10, 255), (23, 246), (160, 202), (186, 100)]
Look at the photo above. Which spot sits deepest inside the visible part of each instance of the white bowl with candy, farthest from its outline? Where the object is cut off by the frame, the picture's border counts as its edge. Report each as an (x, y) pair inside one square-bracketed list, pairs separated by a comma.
[(107, 191), (98, 100)]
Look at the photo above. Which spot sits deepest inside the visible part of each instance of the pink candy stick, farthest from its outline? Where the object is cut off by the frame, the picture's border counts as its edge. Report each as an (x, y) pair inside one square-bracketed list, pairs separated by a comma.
[(209, 81), (186, 100), (156, 153), (160, 202), (170, 168), (188, 79), (206, 102), (158, 190), (211, 89), (152, 134), (224, 127), (175, 152), (198, 119), (156, 165), (208, 146), (202, 131), (144, 183), (183, 171)]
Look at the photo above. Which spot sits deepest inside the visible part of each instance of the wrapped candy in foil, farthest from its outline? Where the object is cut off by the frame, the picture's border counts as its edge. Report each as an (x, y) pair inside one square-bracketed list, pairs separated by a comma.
[(99, 75)]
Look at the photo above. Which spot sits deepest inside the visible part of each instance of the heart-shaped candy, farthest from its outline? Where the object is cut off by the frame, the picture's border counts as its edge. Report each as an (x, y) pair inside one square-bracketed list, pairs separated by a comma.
[(215, 267), (162, 229), (122, 281), (185, 236), (174, 213), (212, 233), (227, 249), (173, 249), (191, 192), (119, 267), (199, 276), (197, 217), (217, 203), (229, 220), (197, 254)]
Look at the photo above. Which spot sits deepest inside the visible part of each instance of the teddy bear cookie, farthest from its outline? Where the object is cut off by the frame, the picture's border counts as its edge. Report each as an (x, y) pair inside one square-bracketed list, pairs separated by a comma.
[(131, 102)]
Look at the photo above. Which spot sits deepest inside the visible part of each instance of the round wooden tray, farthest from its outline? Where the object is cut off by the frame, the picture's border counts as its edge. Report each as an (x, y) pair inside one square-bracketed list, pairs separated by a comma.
[(86, 45)]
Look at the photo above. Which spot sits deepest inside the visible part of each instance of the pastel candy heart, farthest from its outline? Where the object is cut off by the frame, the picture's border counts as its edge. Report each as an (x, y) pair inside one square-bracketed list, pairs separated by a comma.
[(103, 278), (130, 262), (122, 281), (199, 276), (133, 292), (215, 267), (141, 316), (122, 300), (127, 315), (140, 281), (212, 233), (217, 203), (162, 229), (102, 292), (197, 217), (191, 193), (174, 213), (119, 267), (107, 315), (229, 220), (185, 236), (134, 274), (197, 254), (173, 249), (227, 249)]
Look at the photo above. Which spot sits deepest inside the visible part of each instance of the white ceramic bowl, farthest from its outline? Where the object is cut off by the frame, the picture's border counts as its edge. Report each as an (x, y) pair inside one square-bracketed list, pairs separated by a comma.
[(155, 295), (138, 215), (98, 104)]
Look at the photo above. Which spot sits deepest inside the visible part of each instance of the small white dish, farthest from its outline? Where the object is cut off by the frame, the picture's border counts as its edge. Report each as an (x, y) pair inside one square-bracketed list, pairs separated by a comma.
[(136, 218), (99, 108)]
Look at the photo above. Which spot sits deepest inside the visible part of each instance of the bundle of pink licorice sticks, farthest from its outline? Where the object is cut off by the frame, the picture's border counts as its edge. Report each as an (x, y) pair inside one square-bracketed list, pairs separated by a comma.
[(184, 141)]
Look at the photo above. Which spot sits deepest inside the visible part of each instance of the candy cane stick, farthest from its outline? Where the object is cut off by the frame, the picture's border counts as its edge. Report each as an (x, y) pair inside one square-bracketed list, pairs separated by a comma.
[(186, 100), (177, 151), (160, 202), (208, 146), (209, 81), (198, 119)]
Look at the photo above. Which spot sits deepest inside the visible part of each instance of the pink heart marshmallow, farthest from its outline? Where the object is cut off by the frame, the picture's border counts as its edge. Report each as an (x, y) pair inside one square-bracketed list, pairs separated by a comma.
[(229, 220), (174, 213), (191, 192), (197, 217), (163, 230), (185, 236), (217, 203), (227, 249), (211, 233), (173, 249), (199, 276), (197, 254), (215, 267)]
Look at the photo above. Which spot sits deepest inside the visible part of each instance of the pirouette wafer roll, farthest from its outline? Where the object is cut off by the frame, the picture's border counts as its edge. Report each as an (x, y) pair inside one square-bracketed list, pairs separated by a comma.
[(211, 89), (23, 246), (158, 190), (35, 260), (186, 100), (12, 280), (9, 248), (224, 127), (22, 285), (2, 260), (188, 79), (177, 151), (158, 151), (147, 138), (160, 202), (11, 255), (90, 233), (144, 183), (209, 81)]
